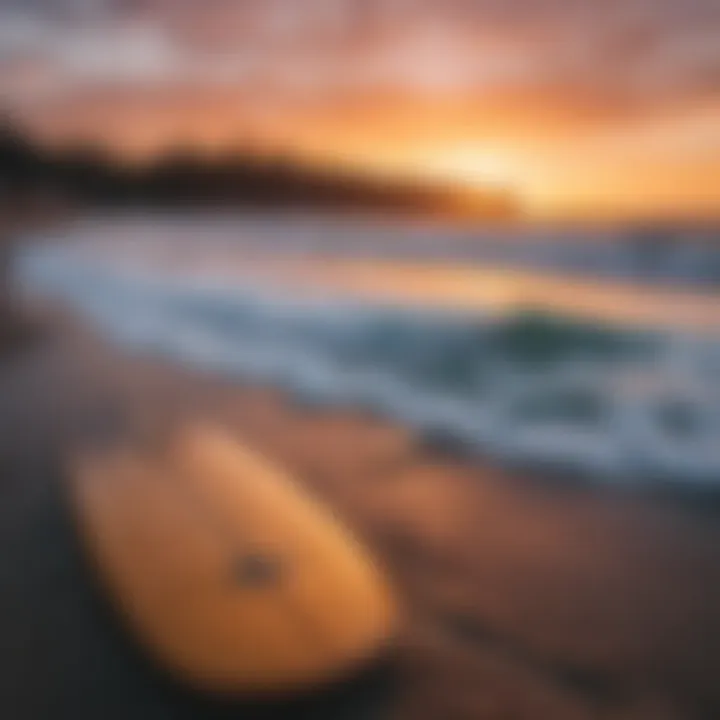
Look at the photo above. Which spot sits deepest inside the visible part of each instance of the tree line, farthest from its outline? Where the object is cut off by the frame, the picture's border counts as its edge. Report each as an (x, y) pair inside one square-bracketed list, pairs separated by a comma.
[(184, 177)]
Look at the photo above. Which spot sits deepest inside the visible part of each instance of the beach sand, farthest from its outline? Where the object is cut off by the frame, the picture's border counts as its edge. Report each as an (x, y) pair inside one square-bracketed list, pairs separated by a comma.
[(525, 598)]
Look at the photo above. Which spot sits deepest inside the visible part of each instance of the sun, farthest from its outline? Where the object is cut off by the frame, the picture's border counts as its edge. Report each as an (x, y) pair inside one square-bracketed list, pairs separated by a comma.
[(472, 166)]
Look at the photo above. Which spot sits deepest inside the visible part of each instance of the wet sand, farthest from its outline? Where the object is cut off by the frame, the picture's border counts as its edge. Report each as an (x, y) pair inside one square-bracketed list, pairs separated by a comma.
[(525, 598)]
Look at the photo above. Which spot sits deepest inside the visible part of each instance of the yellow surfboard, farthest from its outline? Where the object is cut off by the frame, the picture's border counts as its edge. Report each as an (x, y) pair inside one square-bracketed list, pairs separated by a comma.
[(229, 574)]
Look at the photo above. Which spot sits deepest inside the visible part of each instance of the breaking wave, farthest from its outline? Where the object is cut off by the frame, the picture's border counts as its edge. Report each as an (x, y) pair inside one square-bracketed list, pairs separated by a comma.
[(532, 390)]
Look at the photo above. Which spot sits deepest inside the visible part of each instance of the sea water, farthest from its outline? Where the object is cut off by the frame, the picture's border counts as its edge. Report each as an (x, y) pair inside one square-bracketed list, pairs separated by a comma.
[(558, 351)]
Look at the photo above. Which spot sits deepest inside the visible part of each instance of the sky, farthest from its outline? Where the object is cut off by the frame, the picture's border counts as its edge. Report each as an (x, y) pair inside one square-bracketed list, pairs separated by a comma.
[(581, 107)]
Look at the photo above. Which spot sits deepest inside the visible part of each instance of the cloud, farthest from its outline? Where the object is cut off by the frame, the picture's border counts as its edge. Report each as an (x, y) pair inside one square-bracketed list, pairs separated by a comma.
[(604, 61)]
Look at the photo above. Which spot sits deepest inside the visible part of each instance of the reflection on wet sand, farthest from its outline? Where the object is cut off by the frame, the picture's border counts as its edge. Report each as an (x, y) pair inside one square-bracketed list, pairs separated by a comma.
[(494, 290)]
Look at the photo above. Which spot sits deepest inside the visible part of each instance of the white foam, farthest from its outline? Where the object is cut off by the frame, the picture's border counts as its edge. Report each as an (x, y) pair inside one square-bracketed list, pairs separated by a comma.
[(408, 364)]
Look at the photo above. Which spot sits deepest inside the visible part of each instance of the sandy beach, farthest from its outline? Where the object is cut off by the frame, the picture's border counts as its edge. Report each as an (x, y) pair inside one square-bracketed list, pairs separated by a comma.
[(525, 597)]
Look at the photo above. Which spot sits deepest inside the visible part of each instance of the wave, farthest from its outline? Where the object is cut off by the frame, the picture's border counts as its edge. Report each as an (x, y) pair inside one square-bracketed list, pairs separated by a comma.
[(532, 390)]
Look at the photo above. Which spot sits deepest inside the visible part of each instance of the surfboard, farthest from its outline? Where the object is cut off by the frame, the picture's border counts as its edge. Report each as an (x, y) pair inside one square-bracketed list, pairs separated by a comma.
[(226, 570)]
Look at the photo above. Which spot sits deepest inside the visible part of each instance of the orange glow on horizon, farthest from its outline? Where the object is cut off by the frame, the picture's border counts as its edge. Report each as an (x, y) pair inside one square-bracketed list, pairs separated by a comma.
[(600, 109), (654, 166)]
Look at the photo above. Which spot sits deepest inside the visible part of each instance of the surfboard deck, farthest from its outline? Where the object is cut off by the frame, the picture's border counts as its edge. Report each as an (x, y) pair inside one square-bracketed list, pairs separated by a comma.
[(229, 574)]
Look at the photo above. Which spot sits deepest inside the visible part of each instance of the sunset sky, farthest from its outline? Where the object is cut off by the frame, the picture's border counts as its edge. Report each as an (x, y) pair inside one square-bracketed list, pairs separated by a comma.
[(599, 107)]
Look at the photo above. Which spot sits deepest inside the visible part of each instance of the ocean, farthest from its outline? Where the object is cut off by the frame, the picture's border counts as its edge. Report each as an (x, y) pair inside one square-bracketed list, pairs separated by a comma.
[(592, 353)]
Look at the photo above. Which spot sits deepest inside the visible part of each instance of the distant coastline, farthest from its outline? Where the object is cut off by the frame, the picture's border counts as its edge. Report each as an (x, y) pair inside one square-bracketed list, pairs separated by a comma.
[(87, 176)]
